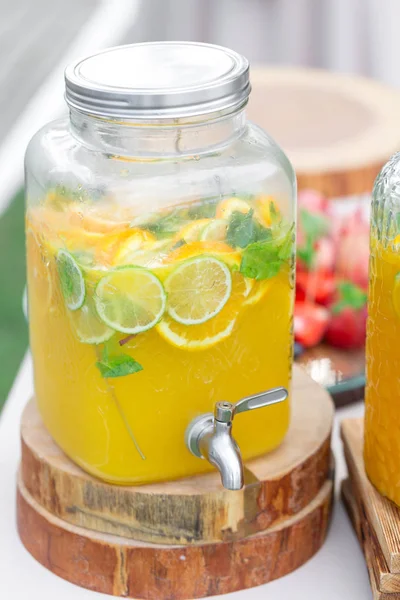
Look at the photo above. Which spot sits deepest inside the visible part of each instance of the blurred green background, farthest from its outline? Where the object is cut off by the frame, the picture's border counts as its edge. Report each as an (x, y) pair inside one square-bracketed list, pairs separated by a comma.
[(13, 327)]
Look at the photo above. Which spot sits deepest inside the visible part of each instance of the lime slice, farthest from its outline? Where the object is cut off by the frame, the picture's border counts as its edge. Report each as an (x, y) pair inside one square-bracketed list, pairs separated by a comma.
[(71, 280), (130, 299), (214, 231), (88, 327), (197, 290)]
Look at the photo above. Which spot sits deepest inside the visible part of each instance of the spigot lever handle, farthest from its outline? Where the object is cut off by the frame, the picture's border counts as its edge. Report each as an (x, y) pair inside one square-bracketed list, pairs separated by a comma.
[(273, 396), (225, 411)]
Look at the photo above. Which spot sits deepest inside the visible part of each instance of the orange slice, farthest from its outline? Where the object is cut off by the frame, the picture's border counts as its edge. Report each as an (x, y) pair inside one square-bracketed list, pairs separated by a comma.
[(135, 240), (218, 249), (227, 207)]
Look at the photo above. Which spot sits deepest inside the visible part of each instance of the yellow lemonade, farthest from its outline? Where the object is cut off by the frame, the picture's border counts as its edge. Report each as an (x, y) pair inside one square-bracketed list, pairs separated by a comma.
[(382, 419), (139, 324)]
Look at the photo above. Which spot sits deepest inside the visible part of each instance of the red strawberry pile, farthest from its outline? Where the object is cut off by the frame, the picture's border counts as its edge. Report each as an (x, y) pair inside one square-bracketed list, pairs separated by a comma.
[(332, 274)]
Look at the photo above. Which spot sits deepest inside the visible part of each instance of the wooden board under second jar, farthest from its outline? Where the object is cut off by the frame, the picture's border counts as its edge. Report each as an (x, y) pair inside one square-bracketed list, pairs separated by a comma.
[(196, 509)]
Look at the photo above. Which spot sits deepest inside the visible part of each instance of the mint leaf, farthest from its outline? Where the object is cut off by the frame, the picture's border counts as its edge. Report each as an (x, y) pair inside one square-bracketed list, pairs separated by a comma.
[(243, 230), (167, 225), (117, 366), (263, 259), (351, 296), (260, 260), (286, 247), (314, 226)]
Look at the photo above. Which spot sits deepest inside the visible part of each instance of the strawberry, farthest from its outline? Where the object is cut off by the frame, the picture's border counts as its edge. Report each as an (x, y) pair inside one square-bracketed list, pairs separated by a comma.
[(347, 325), (318, 286), (310, 322)]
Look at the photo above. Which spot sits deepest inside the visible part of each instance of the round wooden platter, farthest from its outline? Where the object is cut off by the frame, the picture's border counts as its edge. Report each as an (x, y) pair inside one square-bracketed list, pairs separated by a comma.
[(183, 539), (122, 567), (338, 130), (194, 510)]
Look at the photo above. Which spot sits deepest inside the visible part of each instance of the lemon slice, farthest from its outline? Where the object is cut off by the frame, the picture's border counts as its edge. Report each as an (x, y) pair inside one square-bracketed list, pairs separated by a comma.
[(191, 232), (87, 325), (266, 210), (197, 290), (71, 280), (257, 291), (206, 335), (130, 299), (214, 231), (192, 340), (227, 207)]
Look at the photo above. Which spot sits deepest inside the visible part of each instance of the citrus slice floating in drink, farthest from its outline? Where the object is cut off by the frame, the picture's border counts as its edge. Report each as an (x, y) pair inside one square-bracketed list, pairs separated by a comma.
[(71, 280), (89, 328), (135, 240), (130, 299), (211, 332), (198, 289), (227, 207), (191, 232), (219, 250), (215, 231), (257, 291)]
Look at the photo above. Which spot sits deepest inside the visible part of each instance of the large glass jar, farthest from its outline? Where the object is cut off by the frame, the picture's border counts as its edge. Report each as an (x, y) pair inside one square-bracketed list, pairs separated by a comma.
[(382, 417), (160, 245)]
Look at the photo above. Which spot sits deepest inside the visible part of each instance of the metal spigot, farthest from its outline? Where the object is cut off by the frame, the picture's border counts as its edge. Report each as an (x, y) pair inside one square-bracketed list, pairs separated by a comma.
[(210, 436)]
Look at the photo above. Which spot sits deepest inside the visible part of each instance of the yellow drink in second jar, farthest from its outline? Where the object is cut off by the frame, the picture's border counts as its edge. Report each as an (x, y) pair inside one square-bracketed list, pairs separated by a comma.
[(382, 419), (130, 429)]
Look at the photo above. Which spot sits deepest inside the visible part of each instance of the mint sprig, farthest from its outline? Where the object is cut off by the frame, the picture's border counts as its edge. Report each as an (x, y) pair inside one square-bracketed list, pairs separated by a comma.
[(118, 365), (263, 260), (243, 230)]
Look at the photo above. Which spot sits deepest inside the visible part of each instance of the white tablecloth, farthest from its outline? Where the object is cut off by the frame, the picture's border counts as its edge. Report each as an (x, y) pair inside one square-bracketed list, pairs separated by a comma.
[(337, 572)]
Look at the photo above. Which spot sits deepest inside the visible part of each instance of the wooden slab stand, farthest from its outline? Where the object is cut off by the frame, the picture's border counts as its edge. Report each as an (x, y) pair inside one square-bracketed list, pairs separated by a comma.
[(384, 585), (122, 567), (376, 520), (382, 514), (182, 539), (196, 509)]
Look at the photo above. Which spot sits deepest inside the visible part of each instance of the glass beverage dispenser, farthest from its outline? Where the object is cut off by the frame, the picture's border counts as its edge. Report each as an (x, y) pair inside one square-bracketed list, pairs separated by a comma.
[(160, 248)]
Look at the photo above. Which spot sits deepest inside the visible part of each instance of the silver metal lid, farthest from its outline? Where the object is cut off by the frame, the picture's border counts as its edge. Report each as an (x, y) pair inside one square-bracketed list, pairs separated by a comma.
[(159, 80)]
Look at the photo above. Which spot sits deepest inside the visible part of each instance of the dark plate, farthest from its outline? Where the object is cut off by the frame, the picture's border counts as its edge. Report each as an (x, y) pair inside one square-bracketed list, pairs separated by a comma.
[(341, 372)]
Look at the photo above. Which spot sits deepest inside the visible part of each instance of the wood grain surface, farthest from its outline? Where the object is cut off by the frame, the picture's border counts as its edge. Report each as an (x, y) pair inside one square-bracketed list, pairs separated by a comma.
[(338, 130), (382, 514), (192, 510), (122, 567), (385, 585)]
